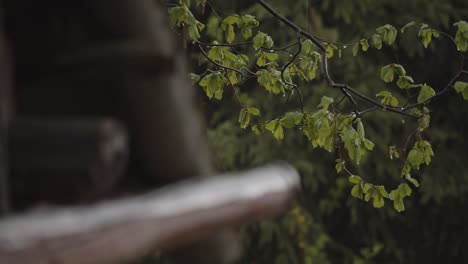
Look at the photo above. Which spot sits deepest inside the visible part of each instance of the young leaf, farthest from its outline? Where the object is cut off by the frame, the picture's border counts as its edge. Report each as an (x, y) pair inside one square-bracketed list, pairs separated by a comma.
[(404, 82), (213, 84), (462, 88), (388, 33), (275, 127), (354, 179), (386, 73), (399, 69), (377, 41), (360, 129), (355, 49), (412, 180), (381, 190), (378, 201), (291, 119), (387, 98), (330, 49), (258, 40), (253, 111), (244, 118), (461, 37), (425, 93), (364, 44), (325, 102), (339, 165), (357, 191), (426, 34)]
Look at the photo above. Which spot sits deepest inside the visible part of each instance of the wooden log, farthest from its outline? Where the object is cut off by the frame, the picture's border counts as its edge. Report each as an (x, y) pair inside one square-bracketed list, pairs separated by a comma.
[(119, 230), (66, 160)]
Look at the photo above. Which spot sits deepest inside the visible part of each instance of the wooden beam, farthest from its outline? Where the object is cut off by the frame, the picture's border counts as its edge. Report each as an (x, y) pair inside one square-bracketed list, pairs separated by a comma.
[(119, 230)]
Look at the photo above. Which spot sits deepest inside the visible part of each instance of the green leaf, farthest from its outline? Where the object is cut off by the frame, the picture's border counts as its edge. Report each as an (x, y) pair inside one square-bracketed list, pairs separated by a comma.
[(227, 25), (366, 187), (355, 49), (270, 126), (415, 158), (360, 129), (325, 102), (232, 76), (216, 53), (412, 180), (278, 133), (399, 205), (357, 191), (462, 88), (405, 190), (339, 165), (246, 33), (386, 73), (426, 148), (378, 201), (253, 111), (354, 179), (244, 118), (268, 42), (398, 195), (291, 119), (387, 98), (176, 15), (398, 69), (330, 49), (309, 64), (426, 34), (262, 39), (229, 21), (307, 47), (193, 32), (275, 127), (258, 40), (388, 33), (404, 82), (270, 80), (213, 84), (246, 23), (381, 190), (461, 37), (377, 41), (368, 144), (425, 93), (364, 44)]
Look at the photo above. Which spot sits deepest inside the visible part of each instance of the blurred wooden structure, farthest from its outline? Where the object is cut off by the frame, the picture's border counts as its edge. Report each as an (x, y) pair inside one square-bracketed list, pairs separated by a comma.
[(95, 110), (160, 220)]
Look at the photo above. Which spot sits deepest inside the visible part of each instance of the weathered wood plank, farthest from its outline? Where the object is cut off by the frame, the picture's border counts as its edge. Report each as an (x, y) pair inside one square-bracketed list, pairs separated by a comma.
[(122, 229)]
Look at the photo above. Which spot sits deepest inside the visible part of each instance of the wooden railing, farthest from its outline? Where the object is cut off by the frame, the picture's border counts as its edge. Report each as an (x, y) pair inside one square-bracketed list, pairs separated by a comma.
[(121, 229)]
